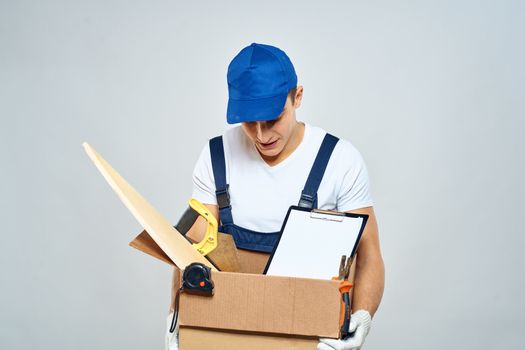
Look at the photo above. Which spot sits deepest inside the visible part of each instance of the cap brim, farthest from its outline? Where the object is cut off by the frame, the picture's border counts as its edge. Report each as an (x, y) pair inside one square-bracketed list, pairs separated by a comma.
[(255, 110)]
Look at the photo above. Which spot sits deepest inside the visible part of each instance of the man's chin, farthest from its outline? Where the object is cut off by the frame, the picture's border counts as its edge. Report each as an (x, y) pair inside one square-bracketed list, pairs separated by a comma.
[(269, 153)]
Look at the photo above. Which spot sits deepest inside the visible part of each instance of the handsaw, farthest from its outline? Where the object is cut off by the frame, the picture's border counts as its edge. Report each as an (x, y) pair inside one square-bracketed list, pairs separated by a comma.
[(218, 247), (209, 242), (177, 248)]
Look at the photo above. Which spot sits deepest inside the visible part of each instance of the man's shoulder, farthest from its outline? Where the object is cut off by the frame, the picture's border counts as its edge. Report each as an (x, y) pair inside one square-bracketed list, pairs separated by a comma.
[(231, 134), (235, 141), (343, 147)]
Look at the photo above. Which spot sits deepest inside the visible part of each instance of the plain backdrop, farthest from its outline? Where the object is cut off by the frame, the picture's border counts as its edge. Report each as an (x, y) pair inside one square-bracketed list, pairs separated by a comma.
[(430, 92)]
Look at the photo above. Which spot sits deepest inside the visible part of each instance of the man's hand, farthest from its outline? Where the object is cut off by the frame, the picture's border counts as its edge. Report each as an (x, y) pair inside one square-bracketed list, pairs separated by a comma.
[(360, 324)]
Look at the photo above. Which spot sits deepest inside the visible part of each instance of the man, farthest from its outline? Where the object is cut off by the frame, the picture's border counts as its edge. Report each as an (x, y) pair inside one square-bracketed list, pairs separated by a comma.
[(250, 176)]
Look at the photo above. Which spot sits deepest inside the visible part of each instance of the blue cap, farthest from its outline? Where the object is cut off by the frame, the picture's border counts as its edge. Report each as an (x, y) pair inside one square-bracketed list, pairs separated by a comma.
[(259, 79)]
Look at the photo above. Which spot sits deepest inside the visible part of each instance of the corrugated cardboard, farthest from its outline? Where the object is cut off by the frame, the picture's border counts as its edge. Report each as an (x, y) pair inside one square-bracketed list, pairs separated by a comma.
[(265, 304), (193, 338), (252, 262), (266, 312), (146, 244)]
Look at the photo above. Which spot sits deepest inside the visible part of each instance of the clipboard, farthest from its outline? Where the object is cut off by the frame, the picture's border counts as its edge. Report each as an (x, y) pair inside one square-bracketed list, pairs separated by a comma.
[(312, 242)]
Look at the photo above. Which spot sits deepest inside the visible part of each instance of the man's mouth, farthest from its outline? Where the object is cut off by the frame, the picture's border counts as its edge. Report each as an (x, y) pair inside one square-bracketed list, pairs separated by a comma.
[(268, 145)]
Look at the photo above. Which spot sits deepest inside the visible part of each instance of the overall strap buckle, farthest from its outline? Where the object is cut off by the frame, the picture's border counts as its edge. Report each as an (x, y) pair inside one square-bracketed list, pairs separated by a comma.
[(223, 198), (307, 200)]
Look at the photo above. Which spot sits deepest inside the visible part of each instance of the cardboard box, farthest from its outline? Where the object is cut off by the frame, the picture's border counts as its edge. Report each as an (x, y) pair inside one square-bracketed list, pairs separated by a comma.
[(264, 312)]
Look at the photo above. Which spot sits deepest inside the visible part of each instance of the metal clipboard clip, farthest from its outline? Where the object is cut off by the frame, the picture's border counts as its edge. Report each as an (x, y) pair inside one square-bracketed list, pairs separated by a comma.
[(329, 215)]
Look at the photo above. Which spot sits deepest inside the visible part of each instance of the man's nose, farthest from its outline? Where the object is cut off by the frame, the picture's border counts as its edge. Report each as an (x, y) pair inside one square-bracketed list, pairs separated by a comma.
[(260, 127)]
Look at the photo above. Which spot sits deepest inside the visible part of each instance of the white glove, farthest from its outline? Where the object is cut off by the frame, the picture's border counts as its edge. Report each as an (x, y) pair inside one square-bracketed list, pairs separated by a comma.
[(172, 339), (360, 324)]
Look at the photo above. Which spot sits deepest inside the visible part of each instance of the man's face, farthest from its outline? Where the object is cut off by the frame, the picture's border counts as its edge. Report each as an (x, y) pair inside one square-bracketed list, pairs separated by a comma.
[(271, 137)]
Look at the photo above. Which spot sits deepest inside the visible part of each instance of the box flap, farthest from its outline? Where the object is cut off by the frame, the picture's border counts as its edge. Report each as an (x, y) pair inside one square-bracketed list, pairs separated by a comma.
[(252, 262), (265, 304), (146, 244)]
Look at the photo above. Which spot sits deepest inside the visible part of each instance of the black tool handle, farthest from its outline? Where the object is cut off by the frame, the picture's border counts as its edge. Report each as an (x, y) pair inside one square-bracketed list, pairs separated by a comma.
[(187, 220), (346, 321)]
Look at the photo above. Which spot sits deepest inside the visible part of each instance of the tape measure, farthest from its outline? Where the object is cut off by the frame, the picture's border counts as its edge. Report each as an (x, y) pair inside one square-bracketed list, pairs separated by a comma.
[(196, 279)]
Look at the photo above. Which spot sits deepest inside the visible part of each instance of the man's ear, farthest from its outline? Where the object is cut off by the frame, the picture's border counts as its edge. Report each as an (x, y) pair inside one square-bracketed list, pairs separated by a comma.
[(298, 96)]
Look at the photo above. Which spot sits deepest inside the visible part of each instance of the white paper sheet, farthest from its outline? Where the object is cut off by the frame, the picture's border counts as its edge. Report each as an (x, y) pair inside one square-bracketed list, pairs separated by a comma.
[(309, 238)]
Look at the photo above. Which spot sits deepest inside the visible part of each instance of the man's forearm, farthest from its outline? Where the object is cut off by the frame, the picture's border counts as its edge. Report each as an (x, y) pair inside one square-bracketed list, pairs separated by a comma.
[(369, 279), (369, 284)]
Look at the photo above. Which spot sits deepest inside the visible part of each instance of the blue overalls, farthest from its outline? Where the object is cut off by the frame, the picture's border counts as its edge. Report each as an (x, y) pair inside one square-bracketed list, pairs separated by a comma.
[(263, 241)]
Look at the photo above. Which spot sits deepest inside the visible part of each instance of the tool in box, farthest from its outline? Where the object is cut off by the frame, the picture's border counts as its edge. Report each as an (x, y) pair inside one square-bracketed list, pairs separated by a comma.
[(218, 247), (196, 279), (344, 288), (196, 209)]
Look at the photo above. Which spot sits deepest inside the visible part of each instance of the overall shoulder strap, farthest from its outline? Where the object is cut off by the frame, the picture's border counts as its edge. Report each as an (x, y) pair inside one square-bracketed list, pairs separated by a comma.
[(309, 193), (218, 164)]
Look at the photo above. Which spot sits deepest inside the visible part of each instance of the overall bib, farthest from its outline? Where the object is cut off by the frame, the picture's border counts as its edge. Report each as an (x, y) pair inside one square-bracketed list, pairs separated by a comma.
[(263, 241)]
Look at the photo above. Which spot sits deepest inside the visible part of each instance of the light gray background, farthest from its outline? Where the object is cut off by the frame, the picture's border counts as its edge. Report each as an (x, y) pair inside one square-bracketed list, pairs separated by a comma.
[(431, 93)]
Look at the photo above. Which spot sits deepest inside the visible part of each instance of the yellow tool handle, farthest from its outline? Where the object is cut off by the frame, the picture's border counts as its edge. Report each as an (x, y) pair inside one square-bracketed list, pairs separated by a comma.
[(209, 242)]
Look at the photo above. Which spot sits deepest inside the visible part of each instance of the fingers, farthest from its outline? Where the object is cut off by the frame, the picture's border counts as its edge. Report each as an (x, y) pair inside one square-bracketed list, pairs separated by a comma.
[(359, 326), (356, 341), (353, 343), (353, 326)]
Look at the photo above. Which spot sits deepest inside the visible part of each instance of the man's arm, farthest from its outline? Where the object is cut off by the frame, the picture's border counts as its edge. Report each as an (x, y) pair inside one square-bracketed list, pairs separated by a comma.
[(370, 270)]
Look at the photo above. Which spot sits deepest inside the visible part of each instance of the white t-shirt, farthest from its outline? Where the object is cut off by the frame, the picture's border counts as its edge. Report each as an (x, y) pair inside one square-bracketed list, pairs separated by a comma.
[(261, 194)]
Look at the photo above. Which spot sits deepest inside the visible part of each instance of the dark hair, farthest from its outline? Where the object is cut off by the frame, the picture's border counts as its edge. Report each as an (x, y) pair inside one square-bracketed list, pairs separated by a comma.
[(292, 93)]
